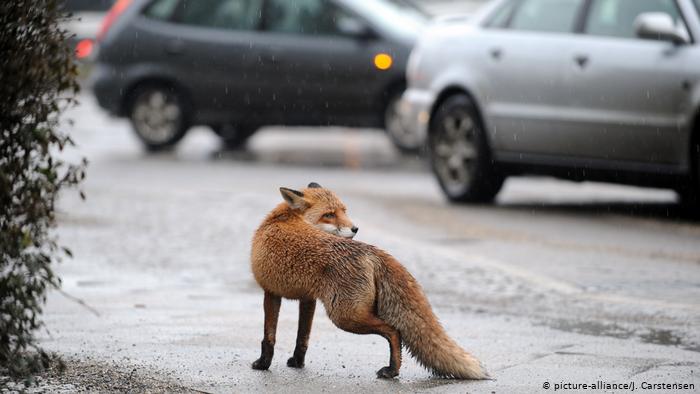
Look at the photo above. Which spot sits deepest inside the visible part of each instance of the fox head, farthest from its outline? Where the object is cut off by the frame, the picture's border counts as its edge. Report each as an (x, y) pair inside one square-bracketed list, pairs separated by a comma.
[(321, 208)]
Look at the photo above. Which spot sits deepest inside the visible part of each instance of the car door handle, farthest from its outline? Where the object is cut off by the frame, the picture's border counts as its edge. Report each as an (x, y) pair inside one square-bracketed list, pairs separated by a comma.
[(581, 60), (174, 47), (496, 53)]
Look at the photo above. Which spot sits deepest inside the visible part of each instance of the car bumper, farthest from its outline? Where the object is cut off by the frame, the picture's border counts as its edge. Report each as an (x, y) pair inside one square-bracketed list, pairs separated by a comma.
[(414, 111), (108, 88)]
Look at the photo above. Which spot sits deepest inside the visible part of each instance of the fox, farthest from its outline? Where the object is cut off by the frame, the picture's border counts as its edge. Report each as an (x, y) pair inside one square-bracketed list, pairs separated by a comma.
[(304, 250)]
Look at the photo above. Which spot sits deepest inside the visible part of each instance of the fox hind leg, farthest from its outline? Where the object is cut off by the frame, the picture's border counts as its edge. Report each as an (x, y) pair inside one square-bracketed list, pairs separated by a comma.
[(271, 305), (394, 356), (371, 324), (306, 318)]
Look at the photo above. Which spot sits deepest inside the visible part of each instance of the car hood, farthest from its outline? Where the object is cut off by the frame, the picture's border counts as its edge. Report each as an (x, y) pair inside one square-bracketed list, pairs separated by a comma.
[(449, 28)]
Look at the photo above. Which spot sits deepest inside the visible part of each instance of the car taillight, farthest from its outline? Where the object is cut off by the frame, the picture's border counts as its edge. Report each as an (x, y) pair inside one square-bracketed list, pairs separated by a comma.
[(112, 16), (84, 48)]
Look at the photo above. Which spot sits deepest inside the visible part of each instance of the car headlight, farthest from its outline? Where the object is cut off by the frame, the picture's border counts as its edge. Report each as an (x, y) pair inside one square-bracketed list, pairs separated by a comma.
[(413, 73)]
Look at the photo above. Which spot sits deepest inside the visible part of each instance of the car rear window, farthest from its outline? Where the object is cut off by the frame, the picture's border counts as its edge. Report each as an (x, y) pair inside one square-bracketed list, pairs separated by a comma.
[(87, 5)]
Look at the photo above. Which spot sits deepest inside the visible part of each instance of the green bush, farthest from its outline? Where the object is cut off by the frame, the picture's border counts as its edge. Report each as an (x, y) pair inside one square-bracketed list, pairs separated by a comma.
[(37, 81)]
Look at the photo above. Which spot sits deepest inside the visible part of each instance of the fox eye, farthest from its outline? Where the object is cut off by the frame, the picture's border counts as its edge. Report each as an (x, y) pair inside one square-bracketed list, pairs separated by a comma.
[(329, 215)]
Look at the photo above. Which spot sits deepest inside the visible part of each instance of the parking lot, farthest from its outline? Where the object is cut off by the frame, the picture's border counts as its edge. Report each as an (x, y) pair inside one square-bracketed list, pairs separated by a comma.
[(557, 282), (467, 145)]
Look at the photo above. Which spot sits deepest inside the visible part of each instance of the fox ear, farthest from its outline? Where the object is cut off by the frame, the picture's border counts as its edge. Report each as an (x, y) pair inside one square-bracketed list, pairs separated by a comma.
[(294, 198), (314, 185)]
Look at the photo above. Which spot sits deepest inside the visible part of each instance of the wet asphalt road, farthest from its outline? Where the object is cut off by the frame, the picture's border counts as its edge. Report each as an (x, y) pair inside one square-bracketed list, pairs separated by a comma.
[(558, 282)]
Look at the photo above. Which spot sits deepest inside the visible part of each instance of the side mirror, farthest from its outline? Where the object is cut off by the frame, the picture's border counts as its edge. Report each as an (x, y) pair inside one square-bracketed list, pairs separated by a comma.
[(355, 28), (658, 26)]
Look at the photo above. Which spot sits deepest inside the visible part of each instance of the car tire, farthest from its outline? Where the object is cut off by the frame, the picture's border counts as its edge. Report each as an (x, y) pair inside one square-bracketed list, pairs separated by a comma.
[(401, 137), (690, 192), (459, 154), (158, 115), (232, 136)]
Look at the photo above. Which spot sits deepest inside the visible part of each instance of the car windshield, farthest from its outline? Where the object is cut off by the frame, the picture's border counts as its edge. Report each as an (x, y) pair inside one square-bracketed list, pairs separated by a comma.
[(402, 17), (87, 5), (410, 7)]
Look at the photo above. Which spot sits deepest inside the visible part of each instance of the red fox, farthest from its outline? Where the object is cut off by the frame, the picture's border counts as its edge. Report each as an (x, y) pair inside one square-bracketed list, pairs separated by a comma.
[(303, 250)]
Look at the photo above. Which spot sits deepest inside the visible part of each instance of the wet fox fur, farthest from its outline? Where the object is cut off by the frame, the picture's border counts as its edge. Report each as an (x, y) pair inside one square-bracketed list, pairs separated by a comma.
[(304, 250)]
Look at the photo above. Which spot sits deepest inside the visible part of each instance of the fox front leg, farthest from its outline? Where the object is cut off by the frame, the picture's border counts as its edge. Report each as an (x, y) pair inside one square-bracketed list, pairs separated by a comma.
[(306, 318), (271, 305)]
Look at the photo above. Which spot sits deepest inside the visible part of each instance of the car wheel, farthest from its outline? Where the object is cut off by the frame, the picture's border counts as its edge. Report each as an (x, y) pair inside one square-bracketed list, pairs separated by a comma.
[(403, 139), (234, 136), (690, 192), (459, 153), (158, 116)]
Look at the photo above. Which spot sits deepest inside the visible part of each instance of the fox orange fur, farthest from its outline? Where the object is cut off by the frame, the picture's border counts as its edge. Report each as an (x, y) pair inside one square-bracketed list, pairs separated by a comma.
[(303, 250)]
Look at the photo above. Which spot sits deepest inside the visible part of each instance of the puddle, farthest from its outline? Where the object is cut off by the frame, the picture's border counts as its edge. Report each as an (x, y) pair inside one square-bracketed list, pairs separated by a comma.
[(66, 219), (200, 297), (667, 338), (648, 335), (425, 385), (90, 283), (592, 328), (455, 240)]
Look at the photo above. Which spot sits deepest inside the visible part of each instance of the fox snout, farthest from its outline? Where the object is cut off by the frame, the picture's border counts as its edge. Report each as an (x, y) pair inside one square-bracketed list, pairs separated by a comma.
[(342, 231), (347, 232)]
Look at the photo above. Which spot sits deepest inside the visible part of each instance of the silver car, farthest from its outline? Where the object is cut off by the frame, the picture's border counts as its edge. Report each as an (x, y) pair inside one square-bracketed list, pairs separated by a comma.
[(581, 89)]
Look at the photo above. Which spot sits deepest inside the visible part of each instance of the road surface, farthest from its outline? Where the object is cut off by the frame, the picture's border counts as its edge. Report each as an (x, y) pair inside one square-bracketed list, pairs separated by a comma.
[(557, 283)]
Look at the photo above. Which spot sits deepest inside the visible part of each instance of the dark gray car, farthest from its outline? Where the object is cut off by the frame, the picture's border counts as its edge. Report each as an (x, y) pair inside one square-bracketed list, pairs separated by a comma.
[(237, 65)]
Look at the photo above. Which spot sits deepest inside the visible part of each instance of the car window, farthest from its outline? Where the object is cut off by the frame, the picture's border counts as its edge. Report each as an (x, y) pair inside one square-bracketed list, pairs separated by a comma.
[(502, 15), (87, 5), (546, 15), (221, 14), (615, 18), (160, 9), (304, 16)]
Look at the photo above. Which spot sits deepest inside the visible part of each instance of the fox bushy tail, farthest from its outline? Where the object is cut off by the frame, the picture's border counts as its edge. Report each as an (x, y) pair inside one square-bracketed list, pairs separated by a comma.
[(402, 303)]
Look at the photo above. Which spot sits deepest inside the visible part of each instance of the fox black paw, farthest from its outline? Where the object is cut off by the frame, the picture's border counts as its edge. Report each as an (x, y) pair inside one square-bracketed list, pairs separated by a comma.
[(261, 364), (387, 373), (294, 362)]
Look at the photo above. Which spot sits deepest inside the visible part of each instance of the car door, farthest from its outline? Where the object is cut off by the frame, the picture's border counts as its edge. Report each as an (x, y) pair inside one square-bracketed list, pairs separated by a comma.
[(311, 72), (525, 45), (209, 45), (628, 95)]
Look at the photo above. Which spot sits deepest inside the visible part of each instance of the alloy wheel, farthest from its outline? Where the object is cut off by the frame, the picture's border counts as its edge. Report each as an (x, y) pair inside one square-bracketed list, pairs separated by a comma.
[(157, 116), (454, 150)]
